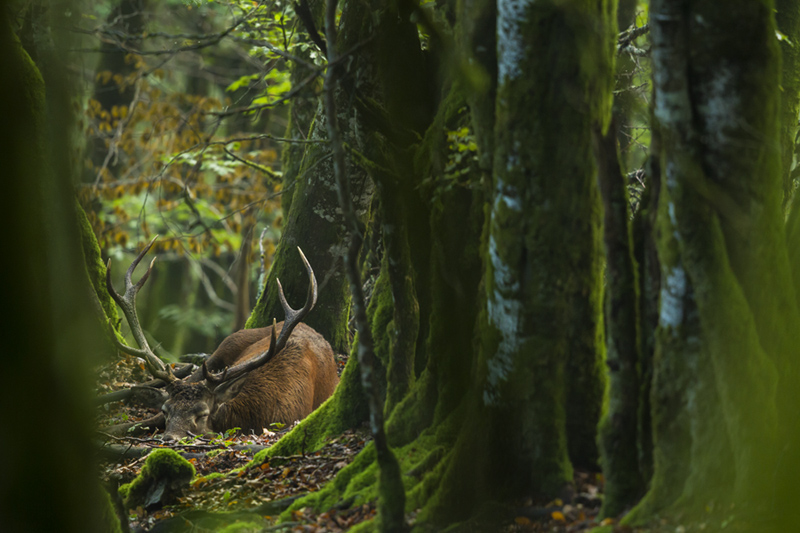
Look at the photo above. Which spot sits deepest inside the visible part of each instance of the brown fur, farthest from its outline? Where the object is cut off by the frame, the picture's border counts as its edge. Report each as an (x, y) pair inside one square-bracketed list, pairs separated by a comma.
[(286, 388)]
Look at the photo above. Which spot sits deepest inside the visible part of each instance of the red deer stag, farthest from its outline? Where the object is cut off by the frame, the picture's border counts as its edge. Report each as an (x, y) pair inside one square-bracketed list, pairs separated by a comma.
[(251, 380)]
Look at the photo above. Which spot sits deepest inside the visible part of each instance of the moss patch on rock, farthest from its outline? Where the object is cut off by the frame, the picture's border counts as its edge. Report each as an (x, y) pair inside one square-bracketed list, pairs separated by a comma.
[(164, 475)]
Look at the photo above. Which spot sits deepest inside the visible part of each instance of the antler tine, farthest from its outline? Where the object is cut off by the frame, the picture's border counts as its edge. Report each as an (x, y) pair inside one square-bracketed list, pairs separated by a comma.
[(296, 315), (293, 317), (127, 303), (135, 263), (312, 287)]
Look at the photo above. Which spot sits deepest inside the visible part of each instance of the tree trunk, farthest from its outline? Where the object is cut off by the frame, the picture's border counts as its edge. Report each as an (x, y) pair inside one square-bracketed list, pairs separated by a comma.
[(541, 342), (492, 423), (302, 110), (788, 21), (728, 315), (314, 221), (50, 331), (618, 431)]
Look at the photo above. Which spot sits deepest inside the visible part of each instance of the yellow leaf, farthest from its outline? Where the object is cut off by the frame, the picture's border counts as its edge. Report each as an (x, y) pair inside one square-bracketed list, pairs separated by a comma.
[(607, 522), (558, 515), (522, 521)]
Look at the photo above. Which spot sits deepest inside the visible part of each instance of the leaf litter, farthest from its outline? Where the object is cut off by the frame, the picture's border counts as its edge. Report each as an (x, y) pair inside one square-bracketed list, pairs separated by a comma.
[(224, 483)]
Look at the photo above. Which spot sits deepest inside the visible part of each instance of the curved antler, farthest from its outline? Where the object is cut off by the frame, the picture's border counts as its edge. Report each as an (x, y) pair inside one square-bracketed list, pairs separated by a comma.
[(127, 303), (293, 317)]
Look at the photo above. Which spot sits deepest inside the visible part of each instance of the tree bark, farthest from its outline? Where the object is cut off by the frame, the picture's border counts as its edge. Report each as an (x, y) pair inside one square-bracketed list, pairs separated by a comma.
[(51, 332), (618, 431), (728, 311), (788, 22), (543, 289), (314, 221)]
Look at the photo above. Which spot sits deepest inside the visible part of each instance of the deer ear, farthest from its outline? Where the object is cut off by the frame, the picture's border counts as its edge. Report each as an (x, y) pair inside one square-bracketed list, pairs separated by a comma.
[(228, 390)]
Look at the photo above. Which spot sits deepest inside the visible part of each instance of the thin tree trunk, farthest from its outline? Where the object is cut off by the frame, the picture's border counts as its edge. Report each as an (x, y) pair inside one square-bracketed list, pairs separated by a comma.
[(391, 494), (619, 427)]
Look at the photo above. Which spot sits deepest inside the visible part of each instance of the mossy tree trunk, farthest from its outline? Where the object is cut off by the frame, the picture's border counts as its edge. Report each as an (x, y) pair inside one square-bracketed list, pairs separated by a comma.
[(619, 428), (788, 21), (470, 429), (314, 221), (728, 311), (540, 374), (511, 318), (302, 110), (50, 332), (649, 276)]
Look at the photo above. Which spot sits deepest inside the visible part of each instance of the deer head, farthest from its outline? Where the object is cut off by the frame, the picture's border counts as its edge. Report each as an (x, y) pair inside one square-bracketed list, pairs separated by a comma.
[(201, 406)]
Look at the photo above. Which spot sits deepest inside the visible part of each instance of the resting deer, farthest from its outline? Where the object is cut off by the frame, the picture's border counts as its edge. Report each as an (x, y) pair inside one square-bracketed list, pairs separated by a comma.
[(255, 377)]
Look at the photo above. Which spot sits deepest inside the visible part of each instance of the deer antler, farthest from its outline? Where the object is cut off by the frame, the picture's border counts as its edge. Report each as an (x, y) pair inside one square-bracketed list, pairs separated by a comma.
[(293, 317), (127, 303)]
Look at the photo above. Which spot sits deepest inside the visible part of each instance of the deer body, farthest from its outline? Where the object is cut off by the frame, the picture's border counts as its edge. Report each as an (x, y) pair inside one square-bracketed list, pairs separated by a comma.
[(254, 378), (284, 389)]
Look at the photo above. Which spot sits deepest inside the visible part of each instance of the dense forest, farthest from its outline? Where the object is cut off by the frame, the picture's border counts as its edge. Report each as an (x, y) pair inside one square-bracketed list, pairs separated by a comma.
[(460, 265)]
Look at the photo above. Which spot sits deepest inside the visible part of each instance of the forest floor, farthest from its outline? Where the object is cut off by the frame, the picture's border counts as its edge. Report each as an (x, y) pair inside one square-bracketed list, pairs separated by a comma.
[(227, 489)]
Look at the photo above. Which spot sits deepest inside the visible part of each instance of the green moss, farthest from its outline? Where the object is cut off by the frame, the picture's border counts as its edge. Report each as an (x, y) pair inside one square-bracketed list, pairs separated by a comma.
[(96, 271), (421, 463), (243, 527), (95, 266), (208, 477), (124, 491), (30, 78), (381, 316), (414, 413), (110, 518), (368, 526), (163, 468)]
